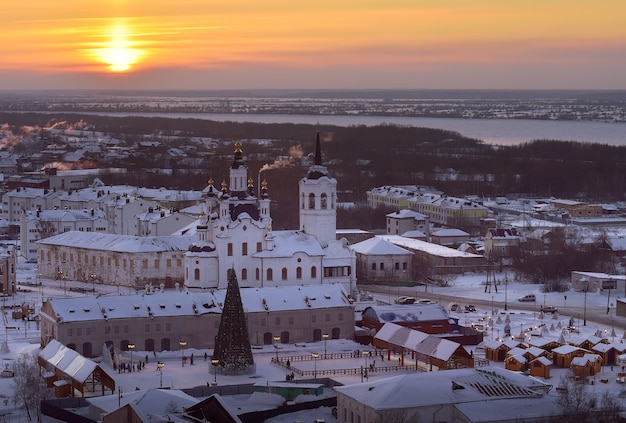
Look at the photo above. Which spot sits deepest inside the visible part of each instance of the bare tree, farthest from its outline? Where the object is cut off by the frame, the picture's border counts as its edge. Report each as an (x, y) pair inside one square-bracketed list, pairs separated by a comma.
[(580, 404), (29, 388), (45, 229)]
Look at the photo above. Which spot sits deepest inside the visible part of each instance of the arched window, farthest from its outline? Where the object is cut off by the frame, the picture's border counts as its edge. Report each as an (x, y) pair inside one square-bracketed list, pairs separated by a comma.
[(284, 273), (244, 274), (257, 273), (298, 273), (302, 205), (196, 274), (313, 272), (324, 199), (270, 275), (311, 201)]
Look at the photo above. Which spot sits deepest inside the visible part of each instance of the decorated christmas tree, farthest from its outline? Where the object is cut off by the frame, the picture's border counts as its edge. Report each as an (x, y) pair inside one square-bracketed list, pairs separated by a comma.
[(233, 353)]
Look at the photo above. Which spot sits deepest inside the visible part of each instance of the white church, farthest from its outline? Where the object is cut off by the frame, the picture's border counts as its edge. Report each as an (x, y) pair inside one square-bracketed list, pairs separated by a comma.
[(236, 232)]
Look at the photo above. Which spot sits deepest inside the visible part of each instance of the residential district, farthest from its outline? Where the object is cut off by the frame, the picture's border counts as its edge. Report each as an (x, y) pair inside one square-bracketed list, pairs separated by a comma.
[(194, 271)]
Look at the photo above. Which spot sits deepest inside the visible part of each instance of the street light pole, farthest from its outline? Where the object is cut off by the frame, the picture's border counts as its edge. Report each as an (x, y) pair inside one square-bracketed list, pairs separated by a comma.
[(366, 354), (315, 356), (160, 365), (585, 307), (276, 339), (131, 347), (215, 362), (325, 337), (182, 344)]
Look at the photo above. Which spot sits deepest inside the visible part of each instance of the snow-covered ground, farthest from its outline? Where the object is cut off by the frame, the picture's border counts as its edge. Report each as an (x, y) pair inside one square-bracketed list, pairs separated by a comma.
[(468, 289)]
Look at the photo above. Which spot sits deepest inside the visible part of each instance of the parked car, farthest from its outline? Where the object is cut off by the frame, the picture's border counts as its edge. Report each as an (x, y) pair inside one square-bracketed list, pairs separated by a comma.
[(549, 309), (470, 308), (454, 307), (405, 300), (426, 301), (528, 298)]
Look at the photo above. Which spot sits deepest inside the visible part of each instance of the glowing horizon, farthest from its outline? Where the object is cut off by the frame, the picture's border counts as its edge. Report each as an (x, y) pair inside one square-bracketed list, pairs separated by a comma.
[(280, 44)]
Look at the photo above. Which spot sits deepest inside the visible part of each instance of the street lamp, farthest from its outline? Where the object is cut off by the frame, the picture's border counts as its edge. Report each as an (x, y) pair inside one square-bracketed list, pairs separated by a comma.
[(92, 278), (325, 338), (585, 281), (366, 354), (183, 344), (131, 347), (215, 362), (276, 340), (315, 356), (160, 365)]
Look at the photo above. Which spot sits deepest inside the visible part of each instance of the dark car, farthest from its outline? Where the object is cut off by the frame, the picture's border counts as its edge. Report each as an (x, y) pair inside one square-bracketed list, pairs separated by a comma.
[(470, 307)]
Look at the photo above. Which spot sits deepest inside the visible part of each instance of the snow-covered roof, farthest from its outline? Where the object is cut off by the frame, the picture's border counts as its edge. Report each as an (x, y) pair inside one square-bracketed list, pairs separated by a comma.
[(185, 303), (449, 232), (417, 341), (378, 246), (287, 243), (490, 389), (407, 214), (68, 361), (68, 215), (587, 358), (120, 243), (150, 401), (427, 247), (407, 313)]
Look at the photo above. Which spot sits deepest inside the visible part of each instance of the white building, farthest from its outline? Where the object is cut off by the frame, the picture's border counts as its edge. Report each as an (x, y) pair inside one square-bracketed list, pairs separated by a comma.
[(156, 320), (16, 202), (122, 210), (236, 233), (403, 221), (465, 395), (161, 222), (122, 260), (41, 224)]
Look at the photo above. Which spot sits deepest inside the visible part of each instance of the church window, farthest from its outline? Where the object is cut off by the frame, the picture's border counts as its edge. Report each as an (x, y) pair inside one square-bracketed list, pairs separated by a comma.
[(229, 247), (313, 272), (258, 273), (302, 205), (404, 266), (196, 274), (298, 273), (382, 266), (284, 273), (324, 199), (270, 275), (244, 249), (397, 265), (144, 263), (259, 247), (244, 274), (311, 201), (373, 266)]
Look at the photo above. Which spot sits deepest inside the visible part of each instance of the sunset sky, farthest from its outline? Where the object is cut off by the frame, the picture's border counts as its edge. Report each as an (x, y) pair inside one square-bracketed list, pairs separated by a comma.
[(207, 44)]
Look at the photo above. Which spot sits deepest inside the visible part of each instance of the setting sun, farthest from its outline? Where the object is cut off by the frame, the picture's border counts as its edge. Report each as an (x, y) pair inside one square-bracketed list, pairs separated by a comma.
[(119, 51), (325, 44)]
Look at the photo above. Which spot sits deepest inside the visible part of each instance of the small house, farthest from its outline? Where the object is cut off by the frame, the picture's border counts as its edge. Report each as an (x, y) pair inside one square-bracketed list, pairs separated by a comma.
[(540, 367)]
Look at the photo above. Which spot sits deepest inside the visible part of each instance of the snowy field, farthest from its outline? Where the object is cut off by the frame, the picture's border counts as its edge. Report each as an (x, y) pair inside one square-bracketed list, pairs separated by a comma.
[(470, 289)]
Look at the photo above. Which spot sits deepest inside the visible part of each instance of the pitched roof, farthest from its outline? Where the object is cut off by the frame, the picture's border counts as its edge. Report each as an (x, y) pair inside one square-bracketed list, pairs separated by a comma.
[(120, 243), (378, 246)]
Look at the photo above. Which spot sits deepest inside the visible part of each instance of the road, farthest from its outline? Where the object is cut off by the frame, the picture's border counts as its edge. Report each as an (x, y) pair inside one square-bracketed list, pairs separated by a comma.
[(596, 315)]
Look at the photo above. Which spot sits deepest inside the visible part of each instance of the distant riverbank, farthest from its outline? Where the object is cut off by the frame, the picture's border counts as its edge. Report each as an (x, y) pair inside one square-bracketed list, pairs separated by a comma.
[(491, 131)]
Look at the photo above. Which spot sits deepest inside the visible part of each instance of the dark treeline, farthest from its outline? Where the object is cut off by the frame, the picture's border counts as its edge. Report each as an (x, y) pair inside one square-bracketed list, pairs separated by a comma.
[(363, 157)]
